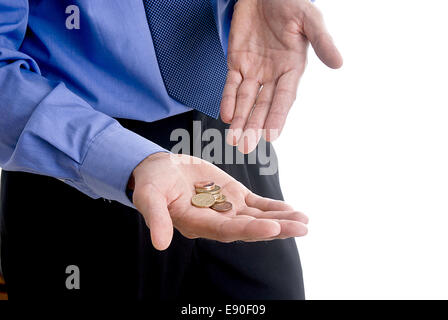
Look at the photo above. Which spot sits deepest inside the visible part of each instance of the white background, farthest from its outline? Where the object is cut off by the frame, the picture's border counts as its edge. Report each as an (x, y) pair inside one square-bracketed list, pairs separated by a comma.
[(365, 154)]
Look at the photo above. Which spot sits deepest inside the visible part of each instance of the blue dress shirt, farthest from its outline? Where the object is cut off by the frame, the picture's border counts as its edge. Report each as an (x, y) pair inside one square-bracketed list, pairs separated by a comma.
[(61, 88)]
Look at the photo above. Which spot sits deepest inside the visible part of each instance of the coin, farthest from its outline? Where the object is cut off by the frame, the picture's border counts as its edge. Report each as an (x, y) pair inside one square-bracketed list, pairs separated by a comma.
[(203, 200), (215, 190), (204, 186), (219, 197), (222, 207)]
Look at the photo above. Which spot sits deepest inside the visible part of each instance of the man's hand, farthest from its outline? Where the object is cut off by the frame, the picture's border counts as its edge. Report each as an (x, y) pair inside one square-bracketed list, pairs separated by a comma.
[(268, 50), (163, 189)]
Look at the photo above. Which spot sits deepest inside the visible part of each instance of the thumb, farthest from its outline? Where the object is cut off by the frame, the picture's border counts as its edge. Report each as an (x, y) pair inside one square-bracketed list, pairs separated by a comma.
[(317, 34), (152, 205)]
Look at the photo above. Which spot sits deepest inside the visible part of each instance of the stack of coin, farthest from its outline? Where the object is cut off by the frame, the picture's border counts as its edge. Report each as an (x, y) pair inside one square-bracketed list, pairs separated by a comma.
[(208, 195)]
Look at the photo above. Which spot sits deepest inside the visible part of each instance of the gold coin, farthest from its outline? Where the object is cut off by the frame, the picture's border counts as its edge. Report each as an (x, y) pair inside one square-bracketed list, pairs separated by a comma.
[(203, 200), (215, 190), (222, 207), (204, 186), (219, 197)]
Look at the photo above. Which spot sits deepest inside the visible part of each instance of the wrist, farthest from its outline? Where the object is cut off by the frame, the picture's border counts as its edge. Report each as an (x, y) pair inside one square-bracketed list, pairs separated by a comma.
[(151, 158)]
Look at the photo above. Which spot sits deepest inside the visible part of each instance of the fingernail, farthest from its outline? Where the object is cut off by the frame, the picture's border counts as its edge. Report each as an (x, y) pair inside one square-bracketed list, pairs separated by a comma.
[(233, 136), (271, 134), (248, 141), (276, 228)]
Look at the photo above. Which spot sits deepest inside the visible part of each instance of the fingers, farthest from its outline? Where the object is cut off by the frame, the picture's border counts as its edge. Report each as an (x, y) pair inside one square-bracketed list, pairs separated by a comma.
[(265, 204), (245, 100), (292, 224), (227, 228), (285, 94), (317, 34), (228, 100), (152, 205), (242, 229), (290, 229), (277, 215), (255, 123)]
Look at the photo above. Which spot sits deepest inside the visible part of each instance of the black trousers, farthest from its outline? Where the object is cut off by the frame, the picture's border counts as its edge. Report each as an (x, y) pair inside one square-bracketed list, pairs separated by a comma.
[(47, 225)]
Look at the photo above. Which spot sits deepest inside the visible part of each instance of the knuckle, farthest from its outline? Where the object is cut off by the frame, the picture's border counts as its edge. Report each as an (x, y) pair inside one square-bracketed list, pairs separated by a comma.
[(146, 221), (290, 94), (233, 82), (237, 120), (277, 114), (221, 236), (288, 207), (253, 123), (228, 99), (243, 95), (263, 104), (296, 216)]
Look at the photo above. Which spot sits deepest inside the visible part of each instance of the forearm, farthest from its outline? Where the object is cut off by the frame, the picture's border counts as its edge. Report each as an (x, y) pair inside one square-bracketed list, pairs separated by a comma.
[(47, 129), (63, 137)]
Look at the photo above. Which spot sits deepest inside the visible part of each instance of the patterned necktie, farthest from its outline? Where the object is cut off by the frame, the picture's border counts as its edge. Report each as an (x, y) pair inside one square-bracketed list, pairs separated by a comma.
[(189, 52)]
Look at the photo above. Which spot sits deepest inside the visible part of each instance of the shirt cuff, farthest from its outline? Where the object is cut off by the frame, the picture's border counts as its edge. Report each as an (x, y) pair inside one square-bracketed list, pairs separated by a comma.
[(112, 156)]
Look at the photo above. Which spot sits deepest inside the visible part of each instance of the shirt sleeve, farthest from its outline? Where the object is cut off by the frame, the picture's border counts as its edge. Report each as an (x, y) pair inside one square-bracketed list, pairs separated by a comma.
[(47, 129)]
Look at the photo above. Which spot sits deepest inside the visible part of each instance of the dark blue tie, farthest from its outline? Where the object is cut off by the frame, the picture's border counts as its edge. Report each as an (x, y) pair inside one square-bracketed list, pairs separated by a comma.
[(189, 52)]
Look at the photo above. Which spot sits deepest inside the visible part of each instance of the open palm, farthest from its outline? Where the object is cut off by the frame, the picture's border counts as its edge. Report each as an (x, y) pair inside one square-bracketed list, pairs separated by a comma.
[(163, 191), (266, 57)]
